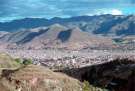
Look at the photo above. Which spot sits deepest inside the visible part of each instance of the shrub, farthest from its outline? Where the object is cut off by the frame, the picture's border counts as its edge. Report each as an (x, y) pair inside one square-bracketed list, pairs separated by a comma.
[(27, 61), (88, 87), (18, 60)]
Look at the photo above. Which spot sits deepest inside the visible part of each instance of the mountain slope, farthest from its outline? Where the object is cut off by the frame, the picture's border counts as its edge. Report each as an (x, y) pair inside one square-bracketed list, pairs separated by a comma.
[(58, 36), (54, 36)]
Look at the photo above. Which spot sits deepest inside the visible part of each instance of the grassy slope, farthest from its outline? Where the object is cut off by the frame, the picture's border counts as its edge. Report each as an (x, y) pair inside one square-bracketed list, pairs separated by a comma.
[(7, 62), (46, 80)]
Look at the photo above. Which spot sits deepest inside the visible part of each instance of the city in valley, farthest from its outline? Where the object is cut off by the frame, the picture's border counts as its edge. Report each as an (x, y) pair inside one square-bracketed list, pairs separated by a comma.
[(66, 58), (67, 45)]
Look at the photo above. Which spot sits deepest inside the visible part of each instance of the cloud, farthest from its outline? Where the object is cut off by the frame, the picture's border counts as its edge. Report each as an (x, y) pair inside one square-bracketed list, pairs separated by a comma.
[(116, 12), (14, 9), (106, 11)]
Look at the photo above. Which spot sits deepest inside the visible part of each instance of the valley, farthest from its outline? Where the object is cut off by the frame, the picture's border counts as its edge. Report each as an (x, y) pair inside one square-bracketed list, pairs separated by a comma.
[(68, 54), (67, 45)]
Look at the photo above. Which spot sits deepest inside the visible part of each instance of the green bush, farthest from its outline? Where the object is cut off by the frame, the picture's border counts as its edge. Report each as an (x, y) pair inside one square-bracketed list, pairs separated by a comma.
[(88, 87), (18, 60), (27, 61)]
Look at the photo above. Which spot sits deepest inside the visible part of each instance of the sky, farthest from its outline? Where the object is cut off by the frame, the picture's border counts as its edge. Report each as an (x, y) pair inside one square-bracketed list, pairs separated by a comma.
[(17, 9)]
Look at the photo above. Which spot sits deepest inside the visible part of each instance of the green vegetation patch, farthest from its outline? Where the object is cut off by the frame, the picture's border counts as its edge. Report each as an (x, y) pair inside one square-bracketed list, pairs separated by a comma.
[(88, 87), (7, 61)]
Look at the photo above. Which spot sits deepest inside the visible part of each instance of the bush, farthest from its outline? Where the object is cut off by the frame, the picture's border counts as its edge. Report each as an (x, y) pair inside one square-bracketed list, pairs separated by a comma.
[(18, 60), (27, 61), (88, 87)]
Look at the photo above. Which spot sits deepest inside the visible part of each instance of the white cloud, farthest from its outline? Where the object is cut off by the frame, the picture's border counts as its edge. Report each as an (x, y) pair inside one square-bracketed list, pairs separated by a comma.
[(112, 11), (106, 11), (116, 12)]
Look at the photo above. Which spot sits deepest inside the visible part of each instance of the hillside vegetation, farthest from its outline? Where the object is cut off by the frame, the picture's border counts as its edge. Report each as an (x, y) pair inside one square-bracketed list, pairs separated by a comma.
[(7, 62)]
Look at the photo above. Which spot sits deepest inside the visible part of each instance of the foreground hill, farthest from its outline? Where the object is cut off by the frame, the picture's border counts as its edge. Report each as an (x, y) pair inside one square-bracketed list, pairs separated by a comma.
[(18, 77), (37, 78), (108, 25), (29, 77)]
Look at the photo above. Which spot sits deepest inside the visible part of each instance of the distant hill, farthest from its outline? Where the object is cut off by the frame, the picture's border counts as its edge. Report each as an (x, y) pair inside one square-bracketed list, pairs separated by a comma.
[(107, 25), (54, 36)]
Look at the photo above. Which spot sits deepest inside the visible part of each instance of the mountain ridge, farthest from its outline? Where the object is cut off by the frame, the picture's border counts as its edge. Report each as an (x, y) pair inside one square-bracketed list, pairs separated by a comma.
[(102, 24), (54, 36)]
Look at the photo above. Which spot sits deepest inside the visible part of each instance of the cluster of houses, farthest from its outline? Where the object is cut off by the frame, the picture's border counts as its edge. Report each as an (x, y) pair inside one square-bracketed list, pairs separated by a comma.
[(69, 59)]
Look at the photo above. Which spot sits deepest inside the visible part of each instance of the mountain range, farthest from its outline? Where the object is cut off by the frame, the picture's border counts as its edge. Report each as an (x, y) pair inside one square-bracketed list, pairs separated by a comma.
[(54, 36), (70, 33), (112, 25)]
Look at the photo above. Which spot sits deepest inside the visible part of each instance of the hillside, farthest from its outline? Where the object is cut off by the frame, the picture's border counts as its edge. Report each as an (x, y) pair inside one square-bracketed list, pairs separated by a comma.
[(54, 36), (16, 77), (117, 75), (37, 78), (7, 62)]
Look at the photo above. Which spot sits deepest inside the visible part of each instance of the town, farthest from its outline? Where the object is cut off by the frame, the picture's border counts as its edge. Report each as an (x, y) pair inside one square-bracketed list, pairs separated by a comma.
[(58, 59)]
